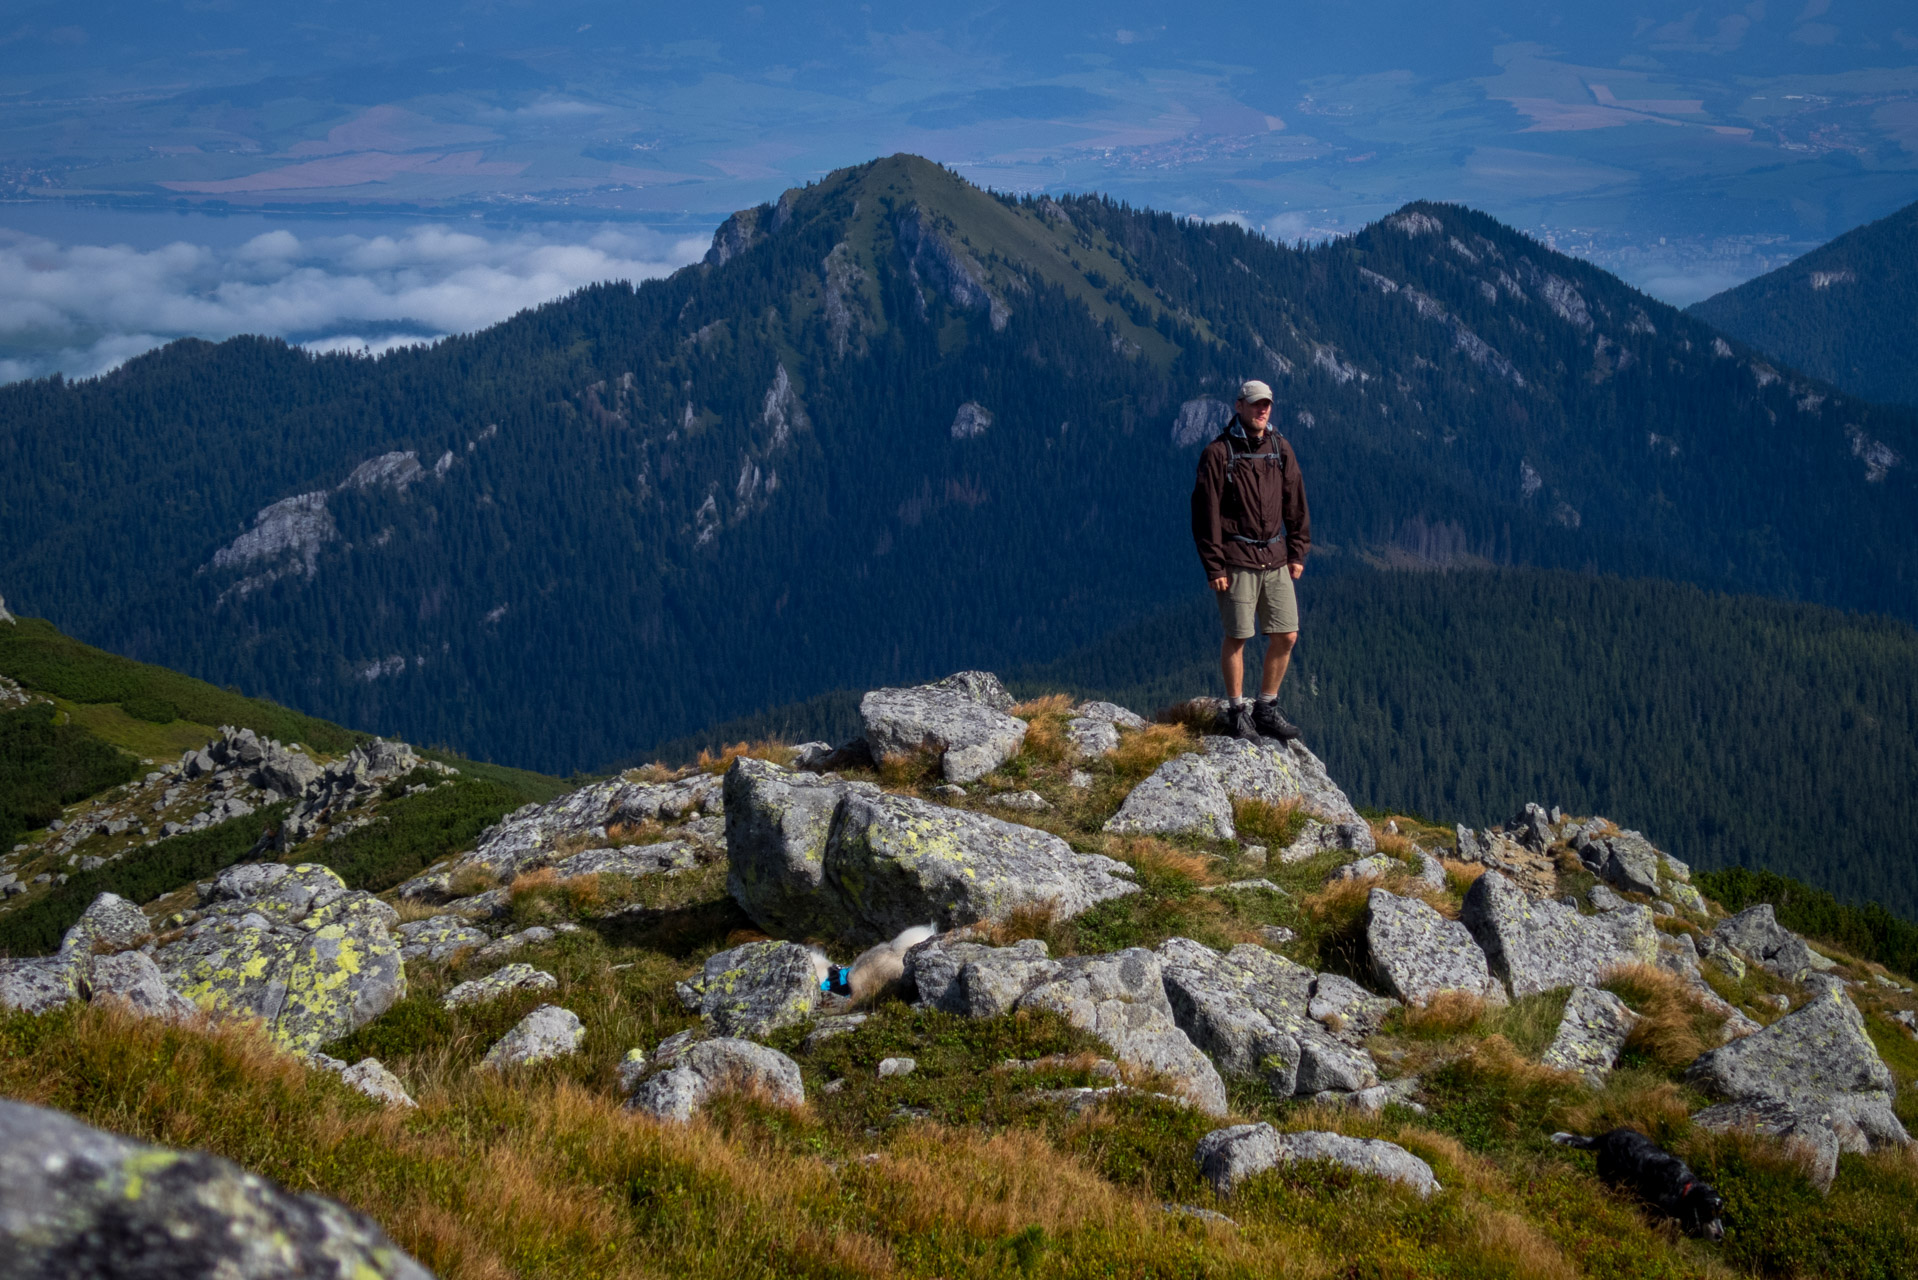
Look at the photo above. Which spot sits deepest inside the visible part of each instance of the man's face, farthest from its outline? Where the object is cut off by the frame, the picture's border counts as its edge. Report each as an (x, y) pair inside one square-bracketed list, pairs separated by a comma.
[(1255, 413)]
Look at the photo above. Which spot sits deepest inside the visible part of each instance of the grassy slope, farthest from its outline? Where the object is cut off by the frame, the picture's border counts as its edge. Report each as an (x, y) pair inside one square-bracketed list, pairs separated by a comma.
[(541, 1173)]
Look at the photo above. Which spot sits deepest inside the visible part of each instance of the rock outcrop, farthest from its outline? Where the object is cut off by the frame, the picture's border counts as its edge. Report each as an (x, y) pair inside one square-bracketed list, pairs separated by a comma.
[(975, 980), (1535, 944), (962, 720), (1418, 954), (753, 990), (687, 1077), (1229, 1156), (547, 1032), (1756, 934), (1093, 728), (525, 839), (816, 856), (291, 946), (1192, 794), (83, 1204), (498, 984)]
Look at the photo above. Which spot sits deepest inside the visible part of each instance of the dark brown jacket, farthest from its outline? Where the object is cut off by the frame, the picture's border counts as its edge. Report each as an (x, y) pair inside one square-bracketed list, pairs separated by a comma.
[(1248, 505)]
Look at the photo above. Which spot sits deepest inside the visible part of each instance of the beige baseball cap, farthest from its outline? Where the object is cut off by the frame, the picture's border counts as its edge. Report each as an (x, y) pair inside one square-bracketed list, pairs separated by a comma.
[(1254, 391)]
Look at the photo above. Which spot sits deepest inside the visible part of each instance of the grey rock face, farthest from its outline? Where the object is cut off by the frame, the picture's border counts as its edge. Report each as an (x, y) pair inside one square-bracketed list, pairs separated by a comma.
[(975, 980), (1121, 999), (1810, 1135), (981, 686), (109, 922), (814, 856), (632, 860), (1756, 933), (133, 980), (1229, 1156), (1821, 1049), (524, 839), (693, 1074), (753, 990), (1091, 738), (1110, 713), (1417, 953), (293, 947), (1184, 796), (83, 1204), (507, 945), (501, 982), (970, 737), (547, 1032), (1591, 1033), (1286, 773), (439, 938), (370, 1077), (1627, 861), (1347, 1010), (37, 985), (1535, 944), (1247, 1009)]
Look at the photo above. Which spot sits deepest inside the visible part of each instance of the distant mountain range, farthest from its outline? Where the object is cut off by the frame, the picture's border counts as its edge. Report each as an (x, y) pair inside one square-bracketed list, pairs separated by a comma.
[(1846, 312), (893, 426)]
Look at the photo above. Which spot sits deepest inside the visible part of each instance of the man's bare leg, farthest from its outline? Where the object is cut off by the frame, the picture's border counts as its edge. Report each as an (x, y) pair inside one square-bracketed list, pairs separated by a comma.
[(1232, 666), (1278, 655)]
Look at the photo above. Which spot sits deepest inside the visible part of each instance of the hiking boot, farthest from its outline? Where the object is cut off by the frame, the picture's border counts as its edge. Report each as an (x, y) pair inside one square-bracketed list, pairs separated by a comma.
[(1271, 722), (1238, 723)]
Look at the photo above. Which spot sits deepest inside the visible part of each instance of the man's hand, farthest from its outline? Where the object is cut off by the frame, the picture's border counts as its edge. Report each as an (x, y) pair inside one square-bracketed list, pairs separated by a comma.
[(1221, 583), (1297, 569)]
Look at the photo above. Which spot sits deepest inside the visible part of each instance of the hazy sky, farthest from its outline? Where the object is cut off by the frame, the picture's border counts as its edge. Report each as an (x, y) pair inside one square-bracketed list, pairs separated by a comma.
[(386, 171)]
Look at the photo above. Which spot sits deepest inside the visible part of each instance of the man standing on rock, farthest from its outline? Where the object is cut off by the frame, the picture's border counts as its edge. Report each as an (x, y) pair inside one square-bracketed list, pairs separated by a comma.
[(1252, 528)]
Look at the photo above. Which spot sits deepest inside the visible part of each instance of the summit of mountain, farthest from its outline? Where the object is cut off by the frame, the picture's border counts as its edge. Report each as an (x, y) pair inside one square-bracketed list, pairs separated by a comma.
[(1847, 312), (893, 425)]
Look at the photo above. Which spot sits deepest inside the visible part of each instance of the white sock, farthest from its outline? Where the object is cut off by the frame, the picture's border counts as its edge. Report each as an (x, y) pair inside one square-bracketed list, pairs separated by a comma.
[(1268, 697), (1236, 703)]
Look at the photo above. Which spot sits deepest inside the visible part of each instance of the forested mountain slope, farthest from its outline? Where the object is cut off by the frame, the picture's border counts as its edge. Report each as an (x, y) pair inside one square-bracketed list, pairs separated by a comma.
[(1846, 312), (895, 426)]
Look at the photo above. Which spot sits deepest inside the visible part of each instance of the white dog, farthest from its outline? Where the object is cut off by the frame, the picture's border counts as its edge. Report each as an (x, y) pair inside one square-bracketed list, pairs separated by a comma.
[(877, 968)]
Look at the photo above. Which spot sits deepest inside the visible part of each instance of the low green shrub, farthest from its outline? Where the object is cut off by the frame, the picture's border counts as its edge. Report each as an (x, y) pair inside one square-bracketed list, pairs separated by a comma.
[(416, 831), (151, 708), (45, 766)]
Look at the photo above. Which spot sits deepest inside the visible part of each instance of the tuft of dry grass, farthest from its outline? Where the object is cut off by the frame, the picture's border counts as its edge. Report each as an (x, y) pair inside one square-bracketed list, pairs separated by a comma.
[(469, 880), (1449, 1013), (1633, 1099), (1674, 1026), (1156, 859), (1262, 822), (571, 895), (1019, 924), (914, 771), (1141, 751), (1046, 741), (767, 749)]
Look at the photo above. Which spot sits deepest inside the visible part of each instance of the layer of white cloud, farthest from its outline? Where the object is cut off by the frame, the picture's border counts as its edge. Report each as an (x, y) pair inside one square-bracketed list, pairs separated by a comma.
[(82, 310)]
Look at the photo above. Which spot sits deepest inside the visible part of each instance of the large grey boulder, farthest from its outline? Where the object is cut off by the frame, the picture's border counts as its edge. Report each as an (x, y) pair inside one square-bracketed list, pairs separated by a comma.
[(1184, 796), (1756, 934), (292, 947), (1347, 1010), (1251, 1010), (975, 980), (815, 856), (78, 1203), (630, 860), (547, 1032), (1288, 773), (1819, 1049), (955, 718), (1417, 953), (753, 990), (37, 984), (109, 923), (688, 1076), (1121, 999), (1229, 1156), (1627, 861), (526, 839), (1535, 944), (1590, 1034)]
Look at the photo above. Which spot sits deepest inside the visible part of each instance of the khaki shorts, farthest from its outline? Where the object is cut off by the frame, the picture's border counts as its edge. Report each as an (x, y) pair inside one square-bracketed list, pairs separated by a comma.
[(1258, 596)]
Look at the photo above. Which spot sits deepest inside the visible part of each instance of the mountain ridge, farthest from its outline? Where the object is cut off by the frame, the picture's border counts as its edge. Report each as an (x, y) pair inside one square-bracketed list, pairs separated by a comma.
[(601, 487)]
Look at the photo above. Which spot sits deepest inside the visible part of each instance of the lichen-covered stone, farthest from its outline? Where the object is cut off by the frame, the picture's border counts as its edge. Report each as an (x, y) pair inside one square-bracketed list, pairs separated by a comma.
[(293, 947), (971, 737), (1819, 1049), (439, 938), (1090, 738), (975, 980), (78, 1203), (132, 980), (1590, 1034), (1347, 1010), (1288, 773), (1627, 861), (1121, 999), (630, 860), (1535, 944), (1417, 953), (547, 1032), (501, 982), (109, 923), (777, 824), (1184, 796), (1227, 1157), (37, 984), (753, 990), (1757, 935), (690, 1075)]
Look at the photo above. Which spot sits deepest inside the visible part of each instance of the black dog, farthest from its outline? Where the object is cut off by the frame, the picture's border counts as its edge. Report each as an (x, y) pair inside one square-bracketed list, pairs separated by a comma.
[(1627, 1158)]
